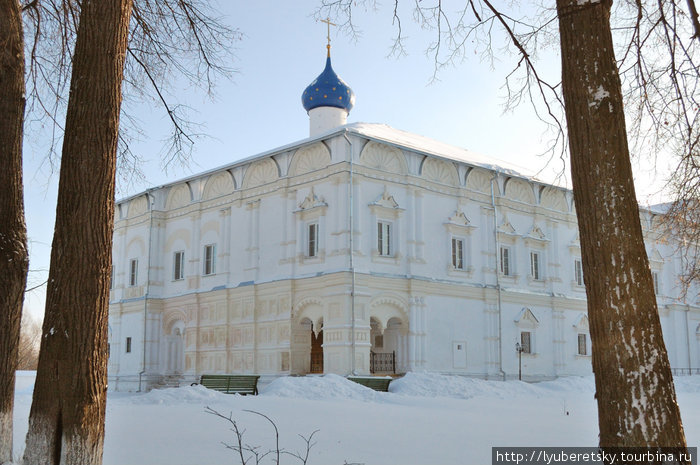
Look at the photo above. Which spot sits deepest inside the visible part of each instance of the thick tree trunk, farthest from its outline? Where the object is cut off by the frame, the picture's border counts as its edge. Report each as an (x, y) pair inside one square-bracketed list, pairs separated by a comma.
[(634, 387), (66, 423), (13, 232)]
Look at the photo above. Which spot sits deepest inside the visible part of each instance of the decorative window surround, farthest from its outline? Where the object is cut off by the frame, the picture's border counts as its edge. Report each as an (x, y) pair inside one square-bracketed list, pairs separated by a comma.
[(459, 228), (656, 263), (527, 322), (312, 210), (578, 283), (535, 237), (385, 211), (575, 245), (506, 232), (311, 207), (581, 328), (385, 206)]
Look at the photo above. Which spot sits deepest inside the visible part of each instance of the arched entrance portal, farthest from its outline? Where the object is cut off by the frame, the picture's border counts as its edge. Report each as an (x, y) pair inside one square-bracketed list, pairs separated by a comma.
[(307, 338), (174, 349), (316, 362), (388, 335), (386, 346)]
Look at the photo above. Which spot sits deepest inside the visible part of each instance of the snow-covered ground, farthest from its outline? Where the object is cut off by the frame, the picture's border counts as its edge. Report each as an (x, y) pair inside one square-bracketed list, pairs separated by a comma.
[(426, 419)]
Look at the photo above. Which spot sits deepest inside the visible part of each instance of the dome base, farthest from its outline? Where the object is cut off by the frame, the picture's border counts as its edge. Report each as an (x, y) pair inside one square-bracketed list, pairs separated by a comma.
[(323, 119)]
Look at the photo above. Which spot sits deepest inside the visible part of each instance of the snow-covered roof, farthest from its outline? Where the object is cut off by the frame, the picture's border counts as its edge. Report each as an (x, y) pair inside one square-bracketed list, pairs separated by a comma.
[(380, 133), (418, 143)]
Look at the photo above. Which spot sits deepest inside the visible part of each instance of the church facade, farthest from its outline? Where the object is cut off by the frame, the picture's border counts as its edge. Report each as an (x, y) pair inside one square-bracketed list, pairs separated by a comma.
[(361, 249)]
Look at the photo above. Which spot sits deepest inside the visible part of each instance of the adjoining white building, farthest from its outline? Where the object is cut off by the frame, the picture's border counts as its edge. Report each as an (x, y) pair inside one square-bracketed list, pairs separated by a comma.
[(361, 249)]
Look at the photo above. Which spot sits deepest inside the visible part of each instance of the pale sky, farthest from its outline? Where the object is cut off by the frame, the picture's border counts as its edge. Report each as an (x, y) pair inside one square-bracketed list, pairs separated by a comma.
[(282, 51)]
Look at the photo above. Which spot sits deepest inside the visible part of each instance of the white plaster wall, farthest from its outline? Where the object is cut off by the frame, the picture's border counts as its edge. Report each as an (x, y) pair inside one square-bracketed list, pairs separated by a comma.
[(260, 238)]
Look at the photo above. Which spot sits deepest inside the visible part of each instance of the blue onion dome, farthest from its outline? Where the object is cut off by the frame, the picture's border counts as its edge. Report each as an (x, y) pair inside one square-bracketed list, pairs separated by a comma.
[(328, 90)]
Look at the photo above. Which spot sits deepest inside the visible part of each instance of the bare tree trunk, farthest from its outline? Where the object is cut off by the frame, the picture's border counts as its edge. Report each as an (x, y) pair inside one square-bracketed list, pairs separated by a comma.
[(634, 387), (13, 232), (66, 423)]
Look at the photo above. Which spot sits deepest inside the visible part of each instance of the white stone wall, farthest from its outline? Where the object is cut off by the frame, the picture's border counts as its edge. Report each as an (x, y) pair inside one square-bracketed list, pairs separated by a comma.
[(254, 312)]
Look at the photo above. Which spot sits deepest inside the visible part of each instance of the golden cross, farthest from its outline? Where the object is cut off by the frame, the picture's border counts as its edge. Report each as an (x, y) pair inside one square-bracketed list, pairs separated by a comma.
[(328, 22)]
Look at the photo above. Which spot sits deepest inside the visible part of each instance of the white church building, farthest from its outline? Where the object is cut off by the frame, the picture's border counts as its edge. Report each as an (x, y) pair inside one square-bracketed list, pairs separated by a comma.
[(361, 249)]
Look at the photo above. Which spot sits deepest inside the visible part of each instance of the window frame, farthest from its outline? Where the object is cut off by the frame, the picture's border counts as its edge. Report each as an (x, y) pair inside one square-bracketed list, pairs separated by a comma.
[(209, 260), (384, 238), (505, 266), (536, 265), (458, 258), (582, 338), (312, 243), (179, 265), (523, 345), (657, 282), (133, 272), (127, 349), (578, 272)]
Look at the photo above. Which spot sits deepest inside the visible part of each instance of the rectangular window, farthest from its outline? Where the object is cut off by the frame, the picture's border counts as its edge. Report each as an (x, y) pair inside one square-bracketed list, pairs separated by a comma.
[(209, 259), (179, 265), (111, 280), (525, 342), (505, 261), (384, 238), (458, 253), (133, 271), (655, 277), (535, 265), (128, 345), (578, 272), (582, 349), (313, 240)]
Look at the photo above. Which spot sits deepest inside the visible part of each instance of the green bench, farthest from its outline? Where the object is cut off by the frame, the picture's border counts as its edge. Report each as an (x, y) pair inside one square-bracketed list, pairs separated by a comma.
[(231, 384), (378, 384)]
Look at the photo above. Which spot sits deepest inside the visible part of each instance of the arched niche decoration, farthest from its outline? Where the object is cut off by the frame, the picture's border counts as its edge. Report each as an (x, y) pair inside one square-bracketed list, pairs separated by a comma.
[(520, 190), (219, 185), (479, 180), (261, 172), (386, 307), (181, 234), (311, 158), (383, 157), (440, 171), (138, 206), (311, 309), (554, 199), (136, 247), (179, 196), (171, 319)]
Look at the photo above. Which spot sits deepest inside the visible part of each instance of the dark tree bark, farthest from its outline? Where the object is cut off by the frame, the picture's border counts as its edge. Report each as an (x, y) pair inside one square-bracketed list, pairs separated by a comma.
[(13, 232), (634, 387), (66, 423)]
